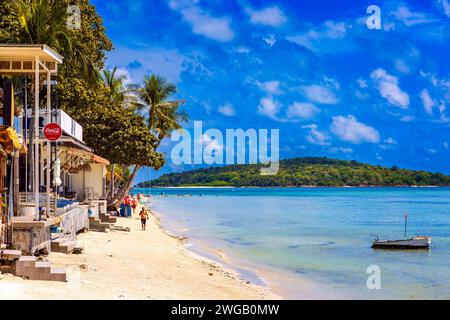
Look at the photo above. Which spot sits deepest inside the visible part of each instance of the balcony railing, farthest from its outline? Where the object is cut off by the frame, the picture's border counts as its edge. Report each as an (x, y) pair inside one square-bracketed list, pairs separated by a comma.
[(67, 124), (27, 199)]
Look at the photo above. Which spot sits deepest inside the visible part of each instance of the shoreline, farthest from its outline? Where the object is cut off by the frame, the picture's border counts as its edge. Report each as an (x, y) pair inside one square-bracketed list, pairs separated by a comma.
[(140, 265), (289, 187), (276, 281)]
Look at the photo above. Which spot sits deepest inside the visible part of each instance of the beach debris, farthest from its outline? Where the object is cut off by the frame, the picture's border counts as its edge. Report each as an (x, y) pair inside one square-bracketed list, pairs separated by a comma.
[(78, 248), (83, 266), (210, 274), (119, 228)]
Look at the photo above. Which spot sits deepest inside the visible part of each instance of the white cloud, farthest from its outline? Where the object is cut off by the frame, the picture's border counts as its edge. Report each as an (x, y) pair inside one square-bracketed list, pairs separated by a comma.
[(341, 150), (270, 87), (445, 145), (430, 77), (242, 49), (351, 130), (126, 75), (389, 143), (427, 101), (270, 40), (409, 18), (320, 94), (202, 23), (227, 110), (445, 7), (407, 118), (269, 107), (299, 110), (389, 88), (362, 83), (171, 63), (401, 66), (323, 38), (271, 16), (315, 136), (390, 140)]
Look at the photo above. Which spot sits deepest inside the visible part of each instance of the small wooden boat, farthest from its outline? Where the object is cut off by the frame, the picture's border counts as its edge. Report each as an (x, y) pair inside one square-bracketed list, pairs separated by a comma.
[(419, 242)]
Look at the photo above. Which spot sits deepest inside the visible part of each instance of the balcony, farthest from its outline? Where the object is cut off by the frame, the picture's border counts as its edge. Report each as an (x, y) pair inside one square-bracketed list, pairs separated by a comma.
[(69, 126)]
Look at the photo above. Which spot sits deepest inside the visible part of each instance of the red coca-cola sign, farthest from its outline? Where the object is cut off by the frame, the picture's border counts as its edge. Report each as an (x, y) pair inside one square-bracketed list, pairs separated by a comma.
[(52, 132)]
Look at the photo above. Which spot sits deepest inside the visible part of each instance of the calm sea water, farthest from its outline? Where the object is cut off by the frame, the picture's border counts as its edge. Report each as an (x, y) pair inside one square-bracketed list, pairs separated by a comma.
[(321, 234)]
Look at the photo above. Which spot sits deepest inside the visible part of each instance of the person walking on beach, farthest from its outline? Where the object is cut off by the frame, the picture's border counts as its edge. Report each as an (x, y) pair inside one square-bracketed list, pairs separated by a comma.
[(144, 217), (134, 204)]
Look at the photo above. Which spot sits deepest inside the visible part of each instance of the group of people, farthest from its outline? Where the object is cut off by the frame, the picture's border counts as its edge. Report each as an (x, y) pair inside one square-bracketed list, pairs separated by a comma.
[(129, 205)]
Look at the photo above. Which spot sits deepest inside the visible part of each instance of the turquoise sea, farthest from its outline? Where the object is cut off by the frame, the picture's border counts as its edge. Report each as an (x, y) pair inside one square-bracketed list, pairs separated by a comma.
[(297, 240)]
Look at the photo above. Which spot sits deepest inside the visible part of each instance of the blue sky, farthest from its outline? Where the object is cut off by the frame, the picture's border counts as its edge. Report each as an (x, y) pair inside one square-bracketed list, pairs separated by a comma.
[(312, 69)]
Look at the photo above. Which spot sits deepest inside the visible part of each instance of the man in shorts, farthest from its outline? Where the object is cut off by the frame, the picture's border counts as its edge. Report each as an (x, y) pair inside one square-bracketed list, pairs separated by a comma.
[(144, 217)]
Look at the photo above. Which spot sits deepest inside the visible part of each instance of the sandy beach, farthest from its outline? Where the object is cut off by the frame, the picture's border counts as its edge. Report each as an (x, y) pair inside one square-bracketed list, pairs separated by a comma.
[(134, 265)]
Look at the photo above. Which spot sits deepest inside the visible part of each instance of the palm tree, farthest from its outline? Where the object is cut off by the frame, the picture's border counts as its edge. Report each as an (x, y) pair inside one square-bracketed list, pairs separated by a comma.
[(42, 22), (45, 22), (163, 116), (115, 83), (120, 95), (118, 92)]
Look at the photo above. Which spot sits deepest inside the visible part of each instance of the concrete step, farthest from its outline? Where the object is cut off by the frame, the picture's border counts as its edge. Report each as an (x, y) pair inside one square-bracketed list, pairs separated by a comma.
[(64, 245), (58, 275), (104, 217), (97, 225), (57, 243), (30, 268), (10, 255)]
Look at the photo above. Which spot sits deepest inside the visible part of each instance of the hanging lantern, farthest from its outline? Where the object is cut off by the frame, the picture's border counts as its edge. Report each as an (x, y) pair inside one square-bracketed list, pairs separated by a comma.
[(87, 167), (57, 173), (73, 170)]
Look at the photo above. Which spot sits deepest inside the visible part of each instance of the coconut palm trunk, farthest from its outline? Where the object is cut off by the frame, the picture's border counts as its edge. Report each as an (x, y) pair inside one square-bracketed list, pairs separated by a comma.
[(126, 189)]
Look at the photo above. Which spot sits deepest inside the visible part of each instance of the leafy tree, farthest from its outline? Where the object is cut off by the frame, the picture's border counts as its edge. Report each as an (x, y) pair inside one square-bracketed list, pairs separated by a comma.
[(113, 129), (303, 172), (163, 116)]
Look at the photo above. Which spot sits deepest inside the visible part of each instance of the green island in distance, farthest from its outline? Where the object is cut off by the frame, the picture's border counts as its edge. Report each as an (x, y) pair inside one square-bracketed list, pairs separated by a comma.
[(301, 172)]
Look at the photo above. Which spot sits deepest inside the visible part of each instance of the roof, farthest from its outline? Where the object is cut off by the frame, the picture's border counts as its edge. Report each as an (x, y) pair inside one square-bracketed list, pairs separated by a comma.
[(29, 51), (97, 159), (74, 143), (74, 146)]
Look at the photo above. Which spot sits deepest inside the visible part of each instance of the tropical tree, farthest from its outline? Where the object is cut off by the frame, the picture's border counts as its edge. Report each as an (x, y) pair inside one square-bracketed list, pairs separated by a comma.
[(118, 94), (163, 116), (45, 22)]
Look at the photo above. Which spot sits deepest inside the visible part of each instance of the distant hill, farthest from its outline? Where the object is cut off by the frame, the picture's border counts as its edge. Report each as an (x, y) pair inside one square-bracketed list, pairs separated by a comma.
[(310, 171)]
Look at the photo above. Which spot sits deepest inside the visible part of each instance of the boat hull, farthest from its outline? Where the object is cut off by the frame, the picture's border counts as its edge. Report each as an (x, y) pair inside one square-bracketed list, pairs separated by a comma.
[(413, 243)]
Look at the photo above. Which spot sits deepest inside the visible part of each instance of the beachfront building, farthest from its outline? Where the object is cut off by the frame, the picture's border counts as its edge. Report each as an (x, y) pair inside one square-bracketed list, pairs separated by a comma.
[(48, 189), (10, 149)]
